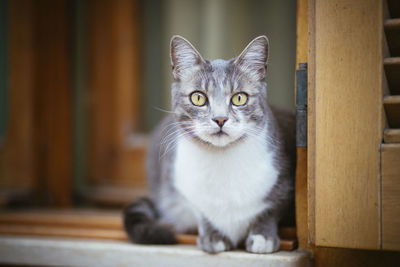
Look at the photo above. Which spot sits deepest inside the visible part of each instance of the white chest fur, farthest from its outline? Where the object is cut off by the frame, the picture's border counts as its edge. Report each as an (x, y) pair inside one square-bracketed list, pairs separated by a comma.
[(227, 186)]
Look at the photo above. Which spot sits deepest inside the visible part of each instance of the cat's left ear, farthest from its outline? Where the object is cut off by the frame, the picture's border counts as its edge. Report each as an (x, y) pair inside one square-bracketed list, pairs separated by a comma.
[(184, 57), (253, 59)]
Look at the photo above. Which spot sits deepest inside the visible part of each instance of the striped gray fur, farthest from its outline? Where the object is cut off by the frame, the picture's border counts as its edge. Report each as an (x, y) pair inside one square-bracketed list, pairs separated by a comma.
[(218, 80)]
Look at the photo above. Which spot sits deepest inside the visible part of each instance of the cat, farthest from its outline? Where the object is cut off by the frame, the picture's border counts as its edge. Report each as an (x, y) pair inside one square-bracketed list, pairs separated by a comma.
[(223, 163)]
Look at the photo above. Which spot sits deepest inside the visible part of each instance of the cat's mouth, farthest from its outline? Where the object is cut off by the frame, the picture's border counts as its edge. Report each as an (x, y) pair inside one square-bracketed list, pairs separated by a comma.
[(220, 133)]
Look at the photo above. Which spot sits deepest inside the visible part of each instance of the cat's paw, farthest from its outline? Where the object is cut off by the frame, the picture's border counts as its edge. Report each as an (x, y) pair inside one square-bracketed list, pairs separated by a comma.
[(262, 244), (214, 243)]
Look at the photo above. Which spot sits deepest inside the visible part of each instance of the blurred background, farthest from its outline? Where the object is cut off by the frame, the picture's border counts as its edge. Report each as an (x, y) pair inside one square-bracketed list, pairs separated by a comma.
[(81, 84)]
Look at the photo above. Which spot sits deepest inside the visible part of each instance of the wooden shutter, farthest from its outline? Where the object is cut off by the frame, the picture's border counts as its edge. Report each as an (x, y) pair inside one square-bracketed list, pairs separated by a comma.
[(390, 157), (345, 122)]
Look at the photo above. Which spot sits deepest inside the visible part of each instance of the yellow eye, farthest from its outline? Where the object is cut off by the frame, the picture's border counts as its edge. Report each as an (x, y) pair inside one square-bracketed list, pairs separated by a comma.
[(198, 99), (239, 99)]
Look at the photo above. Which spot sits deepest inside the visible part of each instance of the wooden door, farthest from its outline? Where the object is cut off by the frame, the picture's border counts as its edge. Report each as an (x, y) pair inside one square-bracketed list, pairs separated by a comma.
[(346, 123), (390, 148), (72, 84), (353, 133), (36, 153), (115, 147)]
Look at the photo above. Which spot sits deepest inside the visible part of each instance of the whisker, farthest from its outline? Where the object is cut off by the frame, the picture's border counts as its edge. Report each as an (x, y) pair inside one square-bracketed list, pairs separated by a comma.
[(172, 144), (172, 126), (164, 110)]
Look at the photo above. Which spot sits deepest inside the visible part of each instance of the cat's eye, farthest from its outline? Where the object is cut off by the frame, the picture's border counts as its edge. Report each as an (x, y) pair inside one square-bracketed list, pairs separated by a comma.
[(198, 99), (239, 99)]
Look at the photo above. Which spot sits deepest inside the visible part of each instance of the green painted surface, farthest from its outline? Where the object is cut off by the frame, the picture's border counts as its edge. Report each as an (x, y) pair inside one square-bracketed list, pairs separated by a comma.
[(152, 63)]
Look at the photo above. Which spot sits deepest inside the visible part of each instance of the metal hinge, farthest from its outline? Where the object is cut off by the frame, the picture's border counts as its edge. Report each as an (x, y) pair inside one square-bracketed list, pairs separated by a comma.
[(301, 105)]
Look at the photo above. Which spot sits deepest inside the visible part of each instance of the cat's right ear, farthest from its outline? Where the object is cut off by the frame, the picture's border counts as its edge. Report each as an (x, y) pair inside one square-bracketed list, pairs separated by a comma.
[(183, 57)]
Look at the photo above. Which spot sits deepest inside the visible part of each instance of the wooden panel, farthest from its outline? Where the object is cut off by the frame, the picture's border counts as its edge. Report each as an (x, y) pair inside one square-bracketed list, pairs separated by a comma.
[(116, 156), (348, 127), (311, 117), (391, 196), (302, 31), (16, 154), (37, 152), (64, 218), (15, 165), (343, 257), (392, 70), (301, 197), (53, 102), (301, 170), (391, 136), (392, 108)]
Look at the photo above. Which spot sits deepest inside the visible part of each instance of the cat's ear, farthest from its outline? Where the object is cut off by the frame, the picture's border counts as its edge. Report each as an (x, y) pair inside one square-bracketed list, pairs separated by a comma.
[(253, 59), (183, 56)]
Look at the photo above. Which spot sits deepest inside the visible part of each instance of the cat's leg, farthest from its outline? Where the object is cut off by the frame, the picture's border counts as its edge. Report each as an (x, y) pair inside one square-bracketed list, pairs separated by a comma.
[(263, 235), (210, 239)]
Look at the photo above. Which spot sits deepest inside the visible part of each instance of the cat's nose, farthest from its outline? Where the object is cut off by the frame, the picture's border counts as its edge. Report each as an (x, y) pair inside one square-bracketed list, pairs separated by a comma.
[(220, 121)]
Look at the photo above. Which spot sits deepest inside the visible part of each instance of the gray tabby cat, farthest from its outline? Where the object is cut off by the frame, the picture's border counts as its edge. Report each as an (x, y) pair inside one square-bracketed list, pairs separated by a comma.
[(224, 162)]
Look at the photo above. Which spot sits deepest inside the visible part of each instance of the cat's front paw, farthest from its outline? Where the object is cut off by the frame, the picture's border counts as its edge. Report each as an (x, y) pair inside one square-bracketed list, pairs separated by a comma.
[(214, 243), (262, 244)]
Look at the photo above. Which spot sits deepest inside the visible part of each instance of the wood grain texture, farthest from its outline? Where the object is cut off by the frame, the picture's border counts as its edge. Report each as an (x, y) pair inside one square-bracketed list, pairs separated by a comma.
[(391, 136), (64, 218), (311, 118), (53, 103), (348, 126), (17, 151), (301, 169), (37, 152), (98, 219), (391, 196), (301, 197), (116, 156), (92, 224), (343, 257), (302, 32), (58, 231)]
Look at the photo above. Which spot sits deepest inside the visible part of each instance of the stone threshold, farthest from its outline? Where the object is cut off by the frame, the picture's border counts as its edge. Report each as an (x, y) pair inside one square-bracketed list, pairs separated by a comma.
[(46, 251)]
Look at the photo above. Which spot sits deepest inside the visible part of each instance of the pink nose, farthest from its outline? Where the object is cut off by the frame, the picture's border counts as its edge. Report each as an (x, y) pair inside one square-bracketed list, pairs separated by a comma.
[(220, 121)]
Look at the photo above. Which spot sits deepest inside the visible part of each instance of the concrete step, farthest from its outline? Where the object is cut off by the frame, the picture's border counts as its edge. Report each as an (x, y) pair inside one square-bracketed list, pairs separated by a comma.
[(89, 252)]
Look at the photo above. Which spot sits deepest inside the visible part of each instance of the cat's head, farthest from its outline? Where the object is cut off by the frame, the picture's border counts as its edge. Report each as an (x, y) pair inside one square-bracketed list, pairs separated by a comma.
[(219, 102)]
